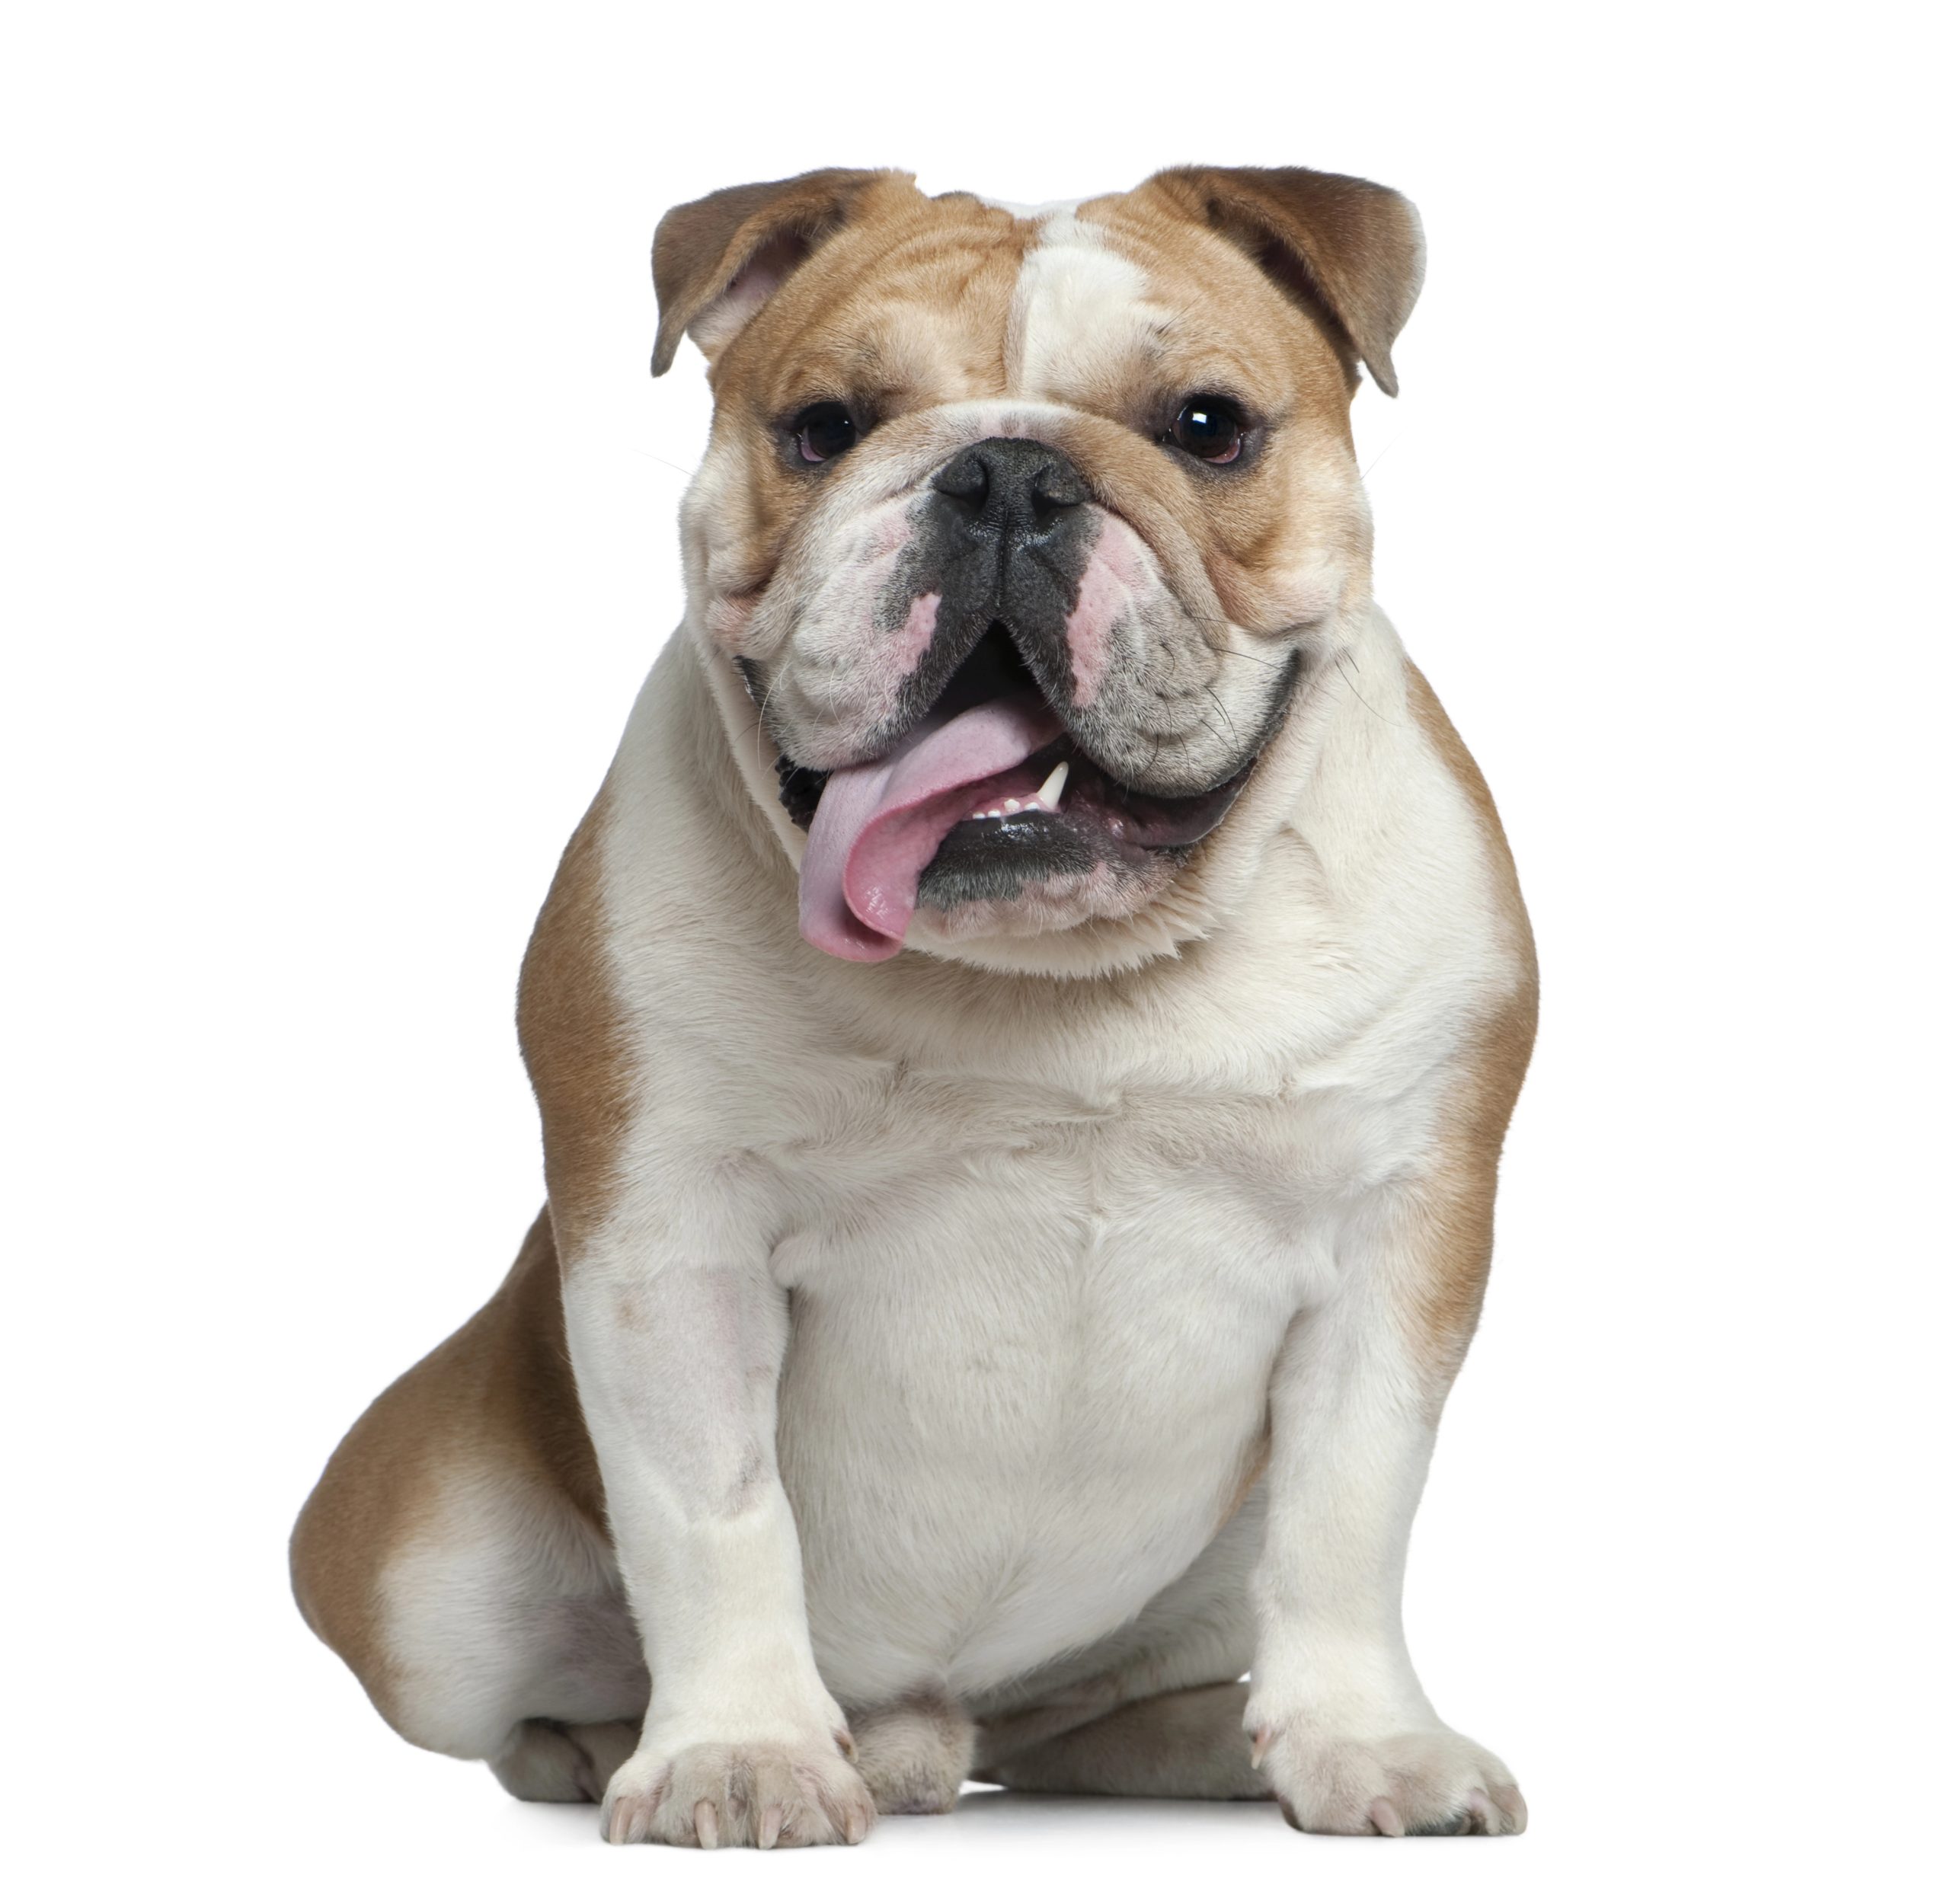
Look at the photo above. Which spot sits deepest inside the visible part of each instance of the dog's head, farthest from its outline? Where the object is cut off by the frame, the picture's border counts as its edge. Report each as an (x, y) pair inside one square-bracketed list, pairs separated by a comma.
[(1026, 534)]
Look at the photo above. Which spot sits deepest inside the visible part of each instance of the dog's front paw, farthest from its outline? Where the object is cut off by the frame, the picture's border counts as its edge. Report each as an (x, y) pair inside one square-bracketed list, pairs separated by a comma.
[(764, 1793), (1430, 1784)]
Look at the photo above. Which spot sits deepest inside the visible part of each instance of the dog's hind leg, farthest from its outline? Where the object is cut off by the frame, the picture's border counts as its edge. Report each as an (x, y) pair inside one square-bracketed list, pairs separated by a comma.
[(453, 1554), (1189, 1744), (504, 1636)]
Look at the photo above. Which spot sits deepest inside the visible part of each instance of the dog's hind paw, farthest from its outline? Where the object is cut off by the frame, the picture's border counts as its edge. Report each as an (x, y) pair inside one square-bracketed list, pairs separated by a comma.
[(914, 1753)]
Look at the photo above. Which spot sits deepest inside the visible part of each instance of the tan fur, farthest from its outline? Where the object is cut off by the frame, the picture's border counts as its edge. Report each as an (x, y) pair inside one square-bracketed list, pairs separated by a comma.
[(499, 1390), (1345, 246), (903, 308), (1461, 1219), (701, 248), (571, 1036), (1250, 536)]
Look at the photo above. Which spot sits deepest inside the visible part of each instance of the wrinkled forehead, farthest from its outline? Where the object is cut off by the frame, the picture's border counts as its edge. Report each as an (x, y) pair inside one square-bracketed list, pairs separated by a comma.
[(1099, 305)]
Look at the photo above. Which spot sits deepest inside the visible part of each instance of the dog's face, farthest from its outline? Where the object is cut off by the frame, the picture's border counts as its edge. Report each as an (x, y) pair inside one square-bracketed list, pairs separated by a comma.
[(1025, 534)]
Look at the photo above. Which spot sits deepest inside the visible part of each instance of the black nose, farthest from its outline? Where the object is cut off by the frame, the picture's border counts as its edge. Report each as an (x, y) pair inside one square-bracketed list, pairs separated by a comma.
[(1012, 487)]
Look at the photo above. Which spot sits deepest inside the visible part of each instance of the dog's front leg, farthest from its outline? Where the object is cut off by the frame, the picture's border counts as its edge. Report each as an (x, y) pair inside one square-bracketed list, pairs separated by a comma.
[(677, 1358), (1339, 1721)]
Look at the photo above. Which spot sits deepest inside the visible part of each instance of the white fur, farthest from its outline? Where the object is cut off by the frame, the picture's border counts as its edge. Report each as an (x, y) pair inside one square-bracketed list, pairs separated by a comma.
[(1080, 309), (503, 1606)]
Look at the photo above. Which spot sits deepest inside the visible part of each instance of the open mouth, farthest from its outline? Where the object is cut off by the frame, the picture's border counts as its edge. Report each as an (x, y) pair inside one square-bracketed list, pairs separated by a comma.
[(987, 793)]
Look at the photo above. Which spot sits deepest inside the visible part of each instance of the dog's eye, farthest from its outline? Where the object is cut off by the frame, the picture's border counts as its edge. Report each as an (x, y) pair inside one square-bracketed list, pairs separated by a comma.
[(822, 431), (1209, 428)]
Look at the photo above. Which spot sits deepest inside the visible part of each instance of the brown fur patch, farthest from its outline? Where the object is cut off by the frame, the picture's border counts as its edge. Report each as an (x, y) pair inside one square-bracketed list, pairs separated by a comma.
[(701, 248), (1460, 1207), (498, 1390), (1343, 246), (572, 1038), (903, 308)]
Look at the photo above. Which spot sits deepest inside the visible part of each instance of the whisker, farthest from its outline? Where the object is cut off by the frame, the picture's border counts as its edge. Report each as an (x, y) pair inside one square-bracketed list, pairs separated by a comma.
[(651, 456), (1341, 662), (1257, 660), (1221, 706)]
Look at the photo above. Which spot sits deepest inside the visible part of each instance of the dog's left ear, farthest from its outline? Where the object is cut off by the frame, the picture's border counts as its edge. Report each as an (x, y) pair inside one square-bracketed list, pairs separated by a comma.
[(717, 260), (1352, 249)]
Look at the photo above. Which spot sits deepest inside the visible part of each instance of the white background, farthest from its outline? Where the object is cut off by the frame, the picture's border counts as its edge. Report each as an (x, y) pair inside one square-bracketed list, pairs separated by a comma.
[(338, 520)]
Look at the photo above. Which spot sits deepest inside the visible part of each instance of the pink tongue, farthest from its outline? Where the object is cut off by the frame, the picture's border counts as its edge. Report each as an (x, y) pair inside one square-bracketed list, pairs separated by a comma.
[(877, 825)]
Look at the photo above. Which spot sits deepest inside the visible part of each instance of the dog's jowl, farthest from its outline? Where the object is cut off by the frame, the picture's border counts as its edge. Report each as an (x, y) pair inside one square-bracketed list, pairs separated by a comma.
[(1024, 1037)]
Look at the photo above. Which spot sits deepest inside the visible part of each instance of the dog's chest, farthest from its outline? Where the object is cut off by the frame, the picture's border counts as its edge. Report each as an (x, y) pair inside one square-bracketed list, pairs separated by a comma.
[(1032, 1334)]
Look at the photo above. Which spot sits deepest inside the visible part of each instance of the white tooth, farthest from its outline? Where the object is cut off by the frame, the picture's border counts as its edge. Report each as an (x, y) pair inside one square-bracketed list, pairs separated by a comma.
[(1052, 789), (1010, 806)]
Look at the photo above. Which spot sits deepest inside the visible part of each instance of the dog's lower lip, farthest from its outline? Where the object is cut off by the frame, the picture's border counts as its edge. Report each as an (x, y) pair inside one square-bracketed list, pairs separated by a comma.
[(799, 790)]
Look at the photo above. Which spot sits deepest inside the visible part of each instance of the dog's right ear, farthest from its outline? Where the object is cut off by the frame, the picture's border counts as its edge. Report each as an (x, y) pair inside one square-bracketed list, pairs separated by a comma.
[(717, 260)]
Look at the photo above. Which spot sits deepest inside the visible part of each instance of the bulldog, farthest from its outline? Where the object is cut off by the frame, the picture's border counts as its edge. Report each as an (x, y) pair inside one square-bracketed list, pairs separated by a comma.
[(1024, 1037)]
